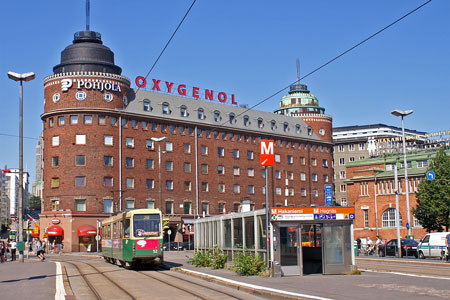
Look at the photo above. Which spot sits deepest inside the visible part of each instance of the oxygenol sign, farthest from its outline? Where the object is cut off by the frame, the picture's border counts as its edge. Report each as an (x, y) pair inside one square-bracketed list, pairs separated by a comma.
[(66, 84), (184, 90)]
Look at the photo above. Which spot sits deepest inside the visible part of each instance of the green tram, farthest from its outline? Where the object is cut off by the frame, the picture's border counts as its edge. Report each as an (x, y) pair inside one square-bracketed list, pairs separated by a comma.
[(133, 237)]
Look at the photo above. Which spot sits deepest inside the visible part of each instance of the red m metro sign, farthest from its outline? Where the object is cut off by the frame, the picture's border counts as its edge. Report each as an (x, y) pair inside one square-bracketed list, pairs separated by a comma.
[(266, 153)]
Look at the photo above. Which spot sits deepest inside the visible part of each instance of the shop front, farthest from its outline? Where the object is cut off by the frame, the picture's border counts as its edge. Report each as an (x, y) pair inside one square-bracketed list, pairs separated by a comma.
[(55, 236), (86, 238), (312, 240)]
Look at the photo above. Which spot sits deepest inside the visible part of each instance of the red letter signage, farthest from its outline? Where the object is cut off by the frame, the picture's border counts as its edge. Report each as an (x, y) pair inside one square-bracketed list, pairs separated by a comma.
[(266, 153)]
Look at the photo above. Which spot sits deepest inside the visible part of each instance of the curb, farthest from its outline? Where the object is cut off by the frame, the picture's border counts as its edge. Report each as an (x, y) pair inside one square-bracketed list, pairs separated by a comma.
[(430, 263), (66, 282), (250, 290)]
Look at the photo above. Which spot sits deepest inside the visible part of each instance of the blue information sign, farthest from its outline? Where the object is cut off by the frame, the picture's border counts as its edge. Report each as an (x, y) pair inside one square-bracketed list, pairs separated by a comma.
[(431, 175), (328, 194)]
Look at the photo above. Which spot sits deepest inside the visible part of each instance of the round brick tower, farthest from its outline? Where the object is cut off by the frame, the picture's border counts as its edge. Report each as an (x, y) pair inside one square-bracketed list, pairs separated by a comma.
[(299, 102), (85, 92)]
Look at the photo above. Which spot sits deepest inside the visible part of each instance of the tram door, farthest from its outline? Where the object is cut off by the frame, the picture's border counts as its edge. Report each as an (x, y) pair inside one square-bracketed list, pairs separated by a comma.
[(289, 251), (311, 241)]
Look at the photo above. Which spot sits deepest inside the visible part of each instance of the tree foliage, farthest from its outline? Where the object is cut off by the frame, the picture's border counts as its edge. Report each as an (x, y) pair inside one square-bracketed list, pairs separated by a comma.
[(34, 203), (433, 196)]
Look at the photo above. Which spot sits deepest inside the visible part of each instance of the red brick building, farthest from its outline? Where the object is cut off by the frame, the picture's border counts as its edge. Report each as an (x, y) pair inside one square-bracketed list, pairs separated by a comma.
[(371, 190), (109, 147)]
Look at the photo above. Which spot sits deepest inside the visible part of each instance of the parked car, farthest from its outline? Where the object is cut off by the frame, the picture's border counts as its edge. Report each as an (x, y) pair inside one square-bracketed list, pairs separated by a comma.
[(409, 248), (173, 246), (434, 245)]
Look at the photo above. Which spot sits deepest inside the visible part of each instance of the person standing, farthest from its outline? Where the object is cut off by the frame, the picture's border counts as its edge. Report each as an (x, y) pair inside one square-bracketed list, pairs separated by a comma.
[(13, 250), (378, 244), (2, 252), (40, 252)]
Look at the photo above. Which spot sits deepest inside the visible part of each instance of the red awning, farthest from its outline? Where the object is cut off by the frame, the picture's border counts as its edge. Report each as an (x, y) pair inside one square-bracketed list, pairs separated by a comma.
[(87, 230), (55, 230)]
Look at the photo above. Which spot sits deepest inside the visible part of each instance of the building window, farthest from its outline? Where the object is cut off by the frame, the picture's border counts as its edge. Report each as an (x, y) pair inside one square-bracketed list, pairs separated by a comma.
[(366, 218), (108, 181), (169, 165), (314, 177), (204, 169), (217, 117), (55, 141), (260, 123), (361, 146), (342, 161), (235, 153), (221, 152), (113, 121), (290, 159), (204, 150), (108, 206), (108, 160), (351, 147), (409, 164), (150, 183), (342, 175), (298, 129), (55, 161), (303, 176), (285, 127), (251, 172), (422, 164), (187, 148), (80, 181), (388, 218), (146, 104), (80, 139), (205, 187), (302, 161), (251, 189), (246, 120), (200, 114), (221, 188), (169, 185), (221, 208), (150, 163), (54, 183), (325, 178), (129, 204), (290, 175), (187, 186), (236, 171), (80, 205), (250, 155), (278, 191), (187, 167), (342, 188), (61, 121), (187, 208), (169, 207), (108, 140), (165, 109), (303, 192), (313, 162), (325, 163), (236, 188), (341, 148), (364, 188), (88, 119), (129, 142), (205, 208), (80, 160), (236, 207), (130, 183), (129, 162), (263, 190), (231, 118), (144, 125), (352, 158), (315, 193), (220, 170), (73, 120), (277, 158), (150, 204), (183, 111), (291, 192), (149, 144), (273, 125), (277, 174)]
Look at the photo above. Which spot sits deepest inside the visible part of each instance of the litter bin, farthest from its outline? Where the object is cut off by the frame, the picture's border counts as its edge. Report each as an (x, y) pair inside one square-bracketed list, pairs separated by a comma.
[(355, 247)]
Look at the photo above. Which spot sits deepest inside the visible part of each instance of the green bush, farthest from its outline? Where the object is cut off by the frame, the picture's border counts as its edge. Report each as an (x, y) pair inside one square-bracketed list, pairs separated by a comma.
[(219, 259), (246, 263), (201, 259), (215, 259)]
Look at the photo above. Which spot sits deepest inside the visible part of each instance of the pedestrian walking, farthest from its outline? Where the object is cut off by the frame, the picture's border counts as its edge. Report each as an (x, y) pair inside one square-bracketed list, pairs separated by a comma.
[(2, 252), (378, 243), (358, 242), (13, 250), (40, 252)]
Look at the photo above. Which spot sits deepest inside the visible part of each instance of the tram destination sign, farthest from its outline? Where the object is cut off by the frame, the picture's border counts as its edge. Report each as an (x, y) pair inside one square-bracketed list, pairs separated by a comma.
[(313, 213)]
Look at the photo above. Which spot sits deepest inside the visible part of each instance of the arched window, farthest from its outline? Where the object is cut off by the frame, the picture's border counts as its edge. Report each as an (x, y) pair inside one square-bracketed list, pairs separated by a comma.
[(165, 108), (183, 111), (285, 127), (217, 117), (273, 125), (246, 120), (260, 123), (388, 218), (201, 114), (231, 118)]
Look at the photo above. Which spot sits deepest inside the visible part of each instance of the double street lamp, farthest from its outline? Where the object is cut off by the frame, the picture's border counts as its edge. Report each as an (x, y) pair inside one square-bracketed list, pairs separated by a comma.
[(21, 78), (401, 113)]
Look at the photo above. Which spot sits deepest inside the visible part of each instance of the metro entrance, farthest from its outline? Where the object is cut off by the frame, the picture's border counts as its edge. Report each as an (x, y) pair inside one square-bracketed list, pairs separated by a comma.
[(303, 246)]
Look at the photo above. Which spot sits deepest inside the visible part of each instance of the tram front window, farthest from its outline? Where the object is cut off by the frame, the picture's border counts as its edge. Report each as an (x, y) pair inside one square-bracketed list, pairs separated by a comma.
[(146, 225)]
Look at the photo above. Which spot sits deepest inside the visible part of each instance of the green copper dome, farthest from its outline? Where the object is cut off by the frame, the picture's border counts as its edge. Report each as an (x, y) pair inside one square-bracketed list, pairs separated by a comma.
[(298, 101)]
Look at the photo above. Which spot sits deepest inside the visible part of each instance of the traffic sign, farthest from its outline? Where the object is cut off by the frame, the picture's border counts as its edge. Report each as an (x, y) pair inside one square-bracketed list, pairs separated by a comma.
[(407, 225), (169, 232), (431, 175), (266, 153)]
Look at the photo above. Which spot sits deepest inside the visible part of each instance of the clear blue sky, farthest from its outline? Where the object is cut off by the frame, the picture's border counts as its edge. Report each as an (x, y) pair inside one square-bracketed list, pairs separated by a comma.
[(247, 48)]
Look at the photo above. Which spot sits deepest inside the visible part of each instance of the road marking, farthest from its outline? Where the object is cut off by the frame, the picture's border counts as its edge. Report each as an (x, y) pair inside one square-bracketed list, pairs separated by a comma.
[(406, 274), (60, 291), (257, 286)]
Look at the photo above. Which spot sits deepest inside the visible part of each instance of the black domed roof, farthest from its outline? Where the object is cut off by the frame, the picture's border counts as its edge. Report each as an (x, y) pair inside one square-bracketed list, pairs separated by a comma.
[(87, 54)]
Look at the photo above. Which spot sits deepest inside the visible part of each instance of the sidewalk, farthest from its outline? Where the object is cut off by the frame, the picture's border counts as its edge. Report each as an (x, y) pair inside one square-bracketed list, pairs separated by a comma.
[(31, 279)]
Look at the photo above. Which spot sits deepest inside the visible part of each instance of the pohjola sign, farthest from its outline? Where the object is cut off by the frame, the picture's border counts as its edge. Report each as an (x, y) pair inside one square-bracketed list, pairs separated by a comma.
[(183, 90)]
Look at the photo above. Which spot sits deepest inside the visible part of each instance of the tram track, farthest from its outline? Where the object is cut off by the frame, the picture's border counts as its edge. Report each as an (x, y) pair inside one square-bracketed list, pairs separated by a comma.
[(95, 290)]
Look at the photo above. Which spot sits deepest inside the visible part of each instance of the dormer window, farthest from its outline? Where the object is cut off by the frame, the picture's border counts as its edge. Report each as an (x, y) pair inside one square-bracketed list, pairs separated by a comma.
[(273, 125), (201, 114), (310, 131), (298, 129), (183, 111), (260, 123), (217, 116), (285, 127), (246, 120), (146, 104), (165, 108), (231, 118)]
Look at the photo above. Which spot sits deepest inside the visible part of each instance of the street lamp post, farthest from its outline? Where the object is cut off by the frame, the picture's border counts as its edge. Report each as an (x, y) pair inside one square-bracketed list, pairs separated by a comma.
[(159, 140), (21, 78), (401, 113)]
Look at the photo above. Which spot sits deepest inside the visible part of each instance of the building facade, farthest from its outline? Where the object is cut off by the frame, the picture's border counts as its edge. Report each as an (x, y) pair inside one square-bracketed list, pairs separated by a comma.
[(4, 199), (371, 190), (109, 147), (355, 143), (38, 185), (12, 189)]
